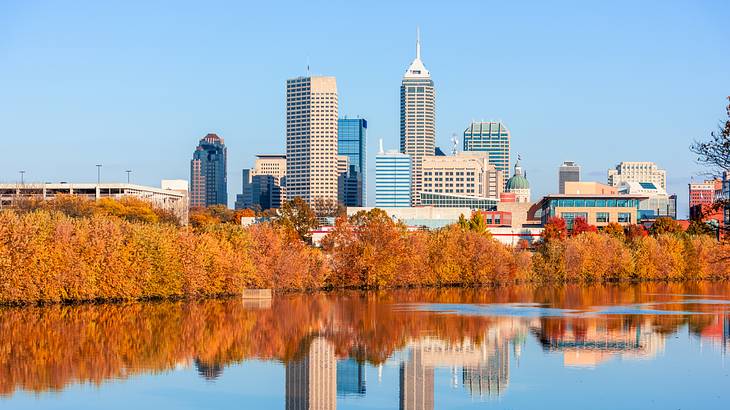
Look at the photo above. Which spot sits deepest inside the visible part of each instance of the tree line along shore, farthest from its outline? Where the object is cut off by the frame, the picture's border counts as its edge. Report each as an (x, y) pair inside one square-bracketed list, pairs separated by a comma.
[(70, 249)]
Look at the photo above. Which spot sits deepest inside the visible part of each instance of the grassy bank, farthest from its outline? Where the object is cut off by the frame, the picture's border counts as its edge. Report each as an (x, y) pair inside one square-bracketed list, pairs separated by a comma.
[(46, 255)]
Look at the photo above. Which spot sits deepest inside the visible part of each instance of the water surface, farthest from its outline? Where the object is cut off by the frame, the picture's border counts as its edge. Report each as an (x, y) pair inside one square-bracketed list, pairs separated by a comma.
[(649, 346)]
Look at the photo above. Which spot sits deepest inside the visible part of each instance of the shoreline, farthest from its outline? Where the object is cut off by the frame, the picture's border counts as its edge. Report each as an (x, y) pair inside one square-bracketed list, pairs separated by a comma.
[(360, 289)]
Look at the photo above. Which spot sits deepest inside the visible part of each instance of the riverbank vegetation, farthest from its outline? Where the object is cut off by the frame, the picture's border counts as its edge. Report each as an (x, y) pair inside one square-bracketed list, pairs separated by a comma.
[(72, 249)]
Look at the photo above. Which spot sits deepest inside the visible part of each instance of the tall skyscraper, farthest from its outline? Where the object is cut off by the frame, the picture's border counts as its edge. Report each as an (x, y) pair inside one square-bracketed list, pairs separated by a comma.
[(208, 175), (568, 172), (417, 119), (351, 141), (311, 138), (637, 172), (490, 137), (392, 179)]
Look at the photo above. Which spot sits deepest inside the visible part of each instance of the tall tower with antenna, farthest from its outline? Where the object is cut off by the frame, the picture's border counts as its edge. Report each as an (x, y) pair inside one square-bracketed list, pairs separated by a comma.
[(417, 118)]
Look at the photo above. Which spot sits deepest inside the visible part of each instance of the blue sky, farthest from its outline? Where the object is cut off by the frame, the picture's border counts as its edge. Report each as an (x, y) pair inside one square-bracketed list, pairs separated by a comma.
[(135, 84)]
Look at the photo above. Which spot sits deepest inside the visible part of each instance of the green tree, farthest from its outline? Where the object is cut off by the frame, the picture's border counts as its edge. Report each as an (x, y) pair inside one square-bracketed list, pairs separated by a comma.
[(298, 217), (665, 225), (478, 224), (463, 222), (697, 228)]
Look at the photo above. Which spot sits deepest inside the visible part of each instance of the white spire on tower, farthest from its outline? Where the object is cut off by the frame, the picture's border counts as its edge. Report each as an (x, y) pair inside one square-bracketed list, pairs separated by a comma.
[(418, 43)]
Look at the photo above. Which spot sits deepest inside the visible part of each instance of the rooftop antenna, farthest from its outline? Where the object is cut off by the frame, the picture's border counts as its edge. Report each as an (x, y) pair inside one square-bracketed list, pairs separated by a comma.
[(381, 147), (418, 43), (455, 144), (308, 75)]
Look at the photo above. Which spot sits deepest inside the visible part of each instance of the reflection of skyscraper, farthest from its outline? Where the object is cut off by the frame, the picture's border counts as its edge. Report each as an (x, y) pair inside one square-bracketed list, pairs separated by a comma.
[(208, 371), (311, 382), (416, 383), (350, 378), (489, 379)]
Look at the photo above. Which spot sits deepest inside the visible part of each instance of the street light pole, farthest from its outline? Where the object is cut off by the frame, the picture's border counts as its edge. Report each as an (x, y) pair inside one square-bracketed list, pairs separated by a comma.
[(22, 177), (98, 174), (129, 171)]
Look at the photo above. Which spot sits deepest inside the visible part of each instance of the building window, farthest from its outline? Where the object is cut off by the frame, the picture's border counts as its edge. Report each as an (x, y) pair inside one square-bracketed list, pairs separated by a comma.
[(602, 217), (624, 217)]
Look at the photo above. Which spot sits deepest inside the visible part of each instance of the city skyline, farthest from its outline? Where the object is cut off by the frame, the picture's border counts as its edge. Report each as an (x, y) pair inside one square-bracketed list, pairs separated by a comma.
[(100, 111)]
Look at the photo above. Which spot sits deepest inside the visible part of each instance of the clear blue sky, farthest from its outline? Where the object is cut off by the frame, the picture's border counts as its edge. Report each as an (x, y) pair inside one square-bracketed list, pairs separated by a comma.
[(135, 84)]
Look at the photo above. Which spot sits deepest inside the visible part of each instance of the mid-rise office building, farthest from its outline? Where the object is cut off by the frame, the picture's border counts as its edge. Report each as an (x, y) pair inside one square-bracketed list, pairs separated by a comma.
[(705, 193), (351, 141), (637, 172), (464, 174), (262, 186), (208, 173), (568, 172), (311, 138), (417, 119), (349, 183), (657, 203), (492, 138), (392, 179), (518, 184), (598, 210)]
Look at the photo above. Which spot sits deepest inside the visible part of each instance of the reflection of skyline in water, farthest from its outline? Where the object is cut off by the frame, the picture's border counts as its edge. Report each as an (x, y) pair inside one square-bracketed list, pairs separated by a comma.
[(327, 341)]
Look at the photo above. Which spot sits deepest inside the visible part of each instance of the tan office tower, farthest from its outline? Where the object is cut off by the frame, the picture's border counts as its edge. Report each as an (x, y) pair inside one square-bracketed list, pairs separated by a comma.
[(417, 119), (311, 138)]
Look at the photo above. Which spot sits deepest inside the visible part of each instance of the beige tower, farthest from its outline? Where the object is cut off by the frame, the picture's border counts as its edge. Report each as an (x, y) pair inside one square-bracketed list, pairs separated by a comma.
[(417, 119), (311, 138)]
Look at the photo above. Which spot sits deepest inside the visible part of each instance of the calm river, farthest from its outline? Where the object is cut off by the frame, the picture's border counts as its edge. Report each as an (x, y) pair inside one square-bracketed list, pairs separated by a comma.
[(649, 346)]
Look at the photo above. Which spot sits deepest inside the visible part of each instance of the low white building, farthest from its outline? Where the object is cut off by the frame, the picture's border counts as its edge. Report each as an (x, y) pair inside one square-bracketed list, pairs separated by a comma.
[(171, 196)]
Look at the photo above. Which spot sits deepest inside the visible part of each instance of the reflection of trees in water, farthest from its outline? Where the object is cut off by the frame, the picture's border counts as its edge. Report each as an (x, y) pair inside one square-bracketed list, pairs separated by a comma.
[(46, 348)]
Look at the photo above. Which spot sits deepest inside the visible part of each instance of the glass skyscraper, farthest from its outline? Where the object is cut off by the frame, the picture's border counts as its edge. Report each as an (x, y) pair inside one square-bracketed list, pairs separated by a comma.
[(491, 137), (208, 177), (392, 179), (351, 140)]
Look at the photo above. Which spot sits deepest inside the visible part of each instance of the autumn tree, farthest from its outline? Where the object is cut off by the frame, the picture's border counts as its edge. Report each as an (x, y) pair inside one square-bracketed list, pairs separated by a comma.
[(297, 217), (665, 225), (580, 225), (554, 230), (635, 232), (614, 229), (366, 250)]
